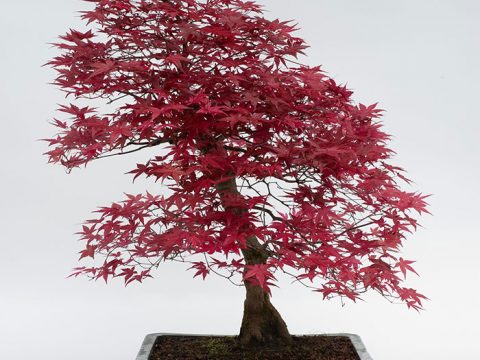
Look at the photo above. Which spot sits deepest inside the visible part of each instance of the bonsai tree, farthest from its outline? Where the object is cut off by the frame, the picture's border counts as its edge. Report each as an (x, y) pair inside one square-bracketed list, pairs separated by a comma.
[(267, 165)]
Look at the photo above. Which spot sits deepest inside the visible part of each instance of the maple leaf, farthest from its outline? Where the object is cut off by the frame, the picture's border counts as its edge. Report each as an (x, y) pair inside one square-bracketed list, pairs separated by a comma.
[(260, 275), (102, 68), (88, 252), (404, 265), (202, 270), (177, 60)]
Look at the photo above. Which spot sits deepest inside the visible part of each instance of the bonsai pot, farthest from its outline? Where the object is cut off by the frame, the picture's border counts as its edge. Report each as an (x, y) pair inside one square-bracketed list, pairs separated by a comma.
[(206, 347)]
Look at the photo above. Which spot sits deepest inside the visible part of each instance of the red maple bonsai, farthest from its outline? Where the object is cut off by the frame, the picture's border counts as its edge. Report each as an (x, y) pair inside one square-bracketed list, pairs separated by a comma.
[(270, 166)]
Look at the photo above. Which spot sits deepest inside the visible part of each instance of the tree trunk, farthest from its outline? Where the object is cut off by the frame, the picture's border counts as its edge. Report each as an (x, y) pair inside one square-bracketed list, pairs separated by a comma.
[(261, 321)]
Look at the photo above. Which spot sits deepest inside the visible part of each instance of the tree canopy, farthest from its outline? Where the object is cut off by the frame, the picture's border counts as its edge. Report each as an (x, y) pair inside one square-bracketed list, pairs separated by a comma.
[(258, 151)]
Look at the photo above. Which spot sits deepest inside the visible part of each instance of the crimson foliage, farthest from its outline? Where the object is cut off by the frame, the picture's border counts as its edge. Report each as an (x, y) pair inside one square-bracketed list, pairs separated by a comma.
[(217, 89)]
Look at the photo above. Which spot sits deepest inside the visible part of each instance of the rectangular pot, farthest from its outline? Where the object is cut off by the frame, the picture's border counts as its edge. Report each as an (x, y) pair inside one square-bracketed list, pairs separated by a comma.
[(150, 339)]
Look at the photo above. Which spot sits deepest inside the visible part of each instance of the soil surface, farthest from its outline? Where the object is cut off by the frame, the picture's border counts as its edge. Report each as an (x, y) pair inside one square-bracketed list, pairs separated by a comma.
[(227, 348)]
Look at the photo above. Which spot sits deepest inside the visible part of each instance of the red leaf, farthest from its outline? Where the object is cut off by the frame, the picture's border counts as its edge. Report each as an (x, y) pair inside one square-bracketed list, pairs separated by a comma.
[(404, 265)]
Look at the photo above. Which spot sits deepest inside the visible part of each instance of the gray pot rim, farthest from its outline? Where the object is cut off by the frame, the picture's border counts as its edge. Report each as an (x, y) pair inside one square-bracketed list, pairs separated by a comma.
[(150, 339)]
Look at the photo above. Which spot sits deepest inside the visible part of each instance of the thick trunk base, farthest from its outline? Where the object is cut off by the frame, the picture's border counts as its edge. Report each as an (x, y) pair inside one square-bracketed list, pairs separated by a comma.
[(261, 321)]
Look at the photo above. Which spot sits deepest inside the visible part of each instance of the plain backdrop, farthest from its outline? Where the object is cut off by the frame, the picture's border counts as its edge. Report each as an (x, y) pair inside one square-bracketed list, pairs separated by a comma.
[(418, 59)]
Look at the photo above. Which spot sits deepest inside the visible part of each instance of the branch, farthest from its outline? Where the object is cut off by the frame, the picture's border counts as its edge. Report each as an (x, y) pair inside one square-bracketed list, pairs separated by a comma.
[(268, 211), (233, 148), (150, 144)]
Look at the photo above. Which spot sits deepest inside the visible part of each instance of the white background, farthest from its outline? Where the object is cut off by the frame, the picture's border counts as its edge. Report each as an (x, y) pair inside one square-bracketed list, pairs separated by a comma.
[(419, 59)]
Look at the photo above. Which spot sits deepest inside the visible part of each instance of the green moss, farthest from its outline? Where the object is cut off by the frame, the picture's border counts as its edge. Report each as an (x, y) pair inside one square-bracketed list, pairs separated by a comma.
[(216, 347)]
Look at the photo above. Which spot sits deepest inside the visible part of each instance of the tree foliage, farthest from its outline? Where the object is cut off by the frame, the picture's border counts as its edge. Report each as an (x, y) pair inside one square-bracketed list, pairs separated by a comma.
[(218, 90)]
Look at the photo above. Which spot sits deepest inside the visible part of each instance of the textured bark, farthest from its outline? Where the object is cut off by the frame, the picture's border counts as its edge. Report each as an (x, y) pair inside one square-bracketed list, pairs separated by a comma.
[(261, 321)]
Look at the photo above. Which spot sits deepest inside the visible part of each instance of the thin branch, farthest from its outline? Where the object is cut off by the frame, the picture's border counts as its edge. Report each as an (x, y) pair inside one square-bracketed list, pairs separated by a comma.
[(150, 144)]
